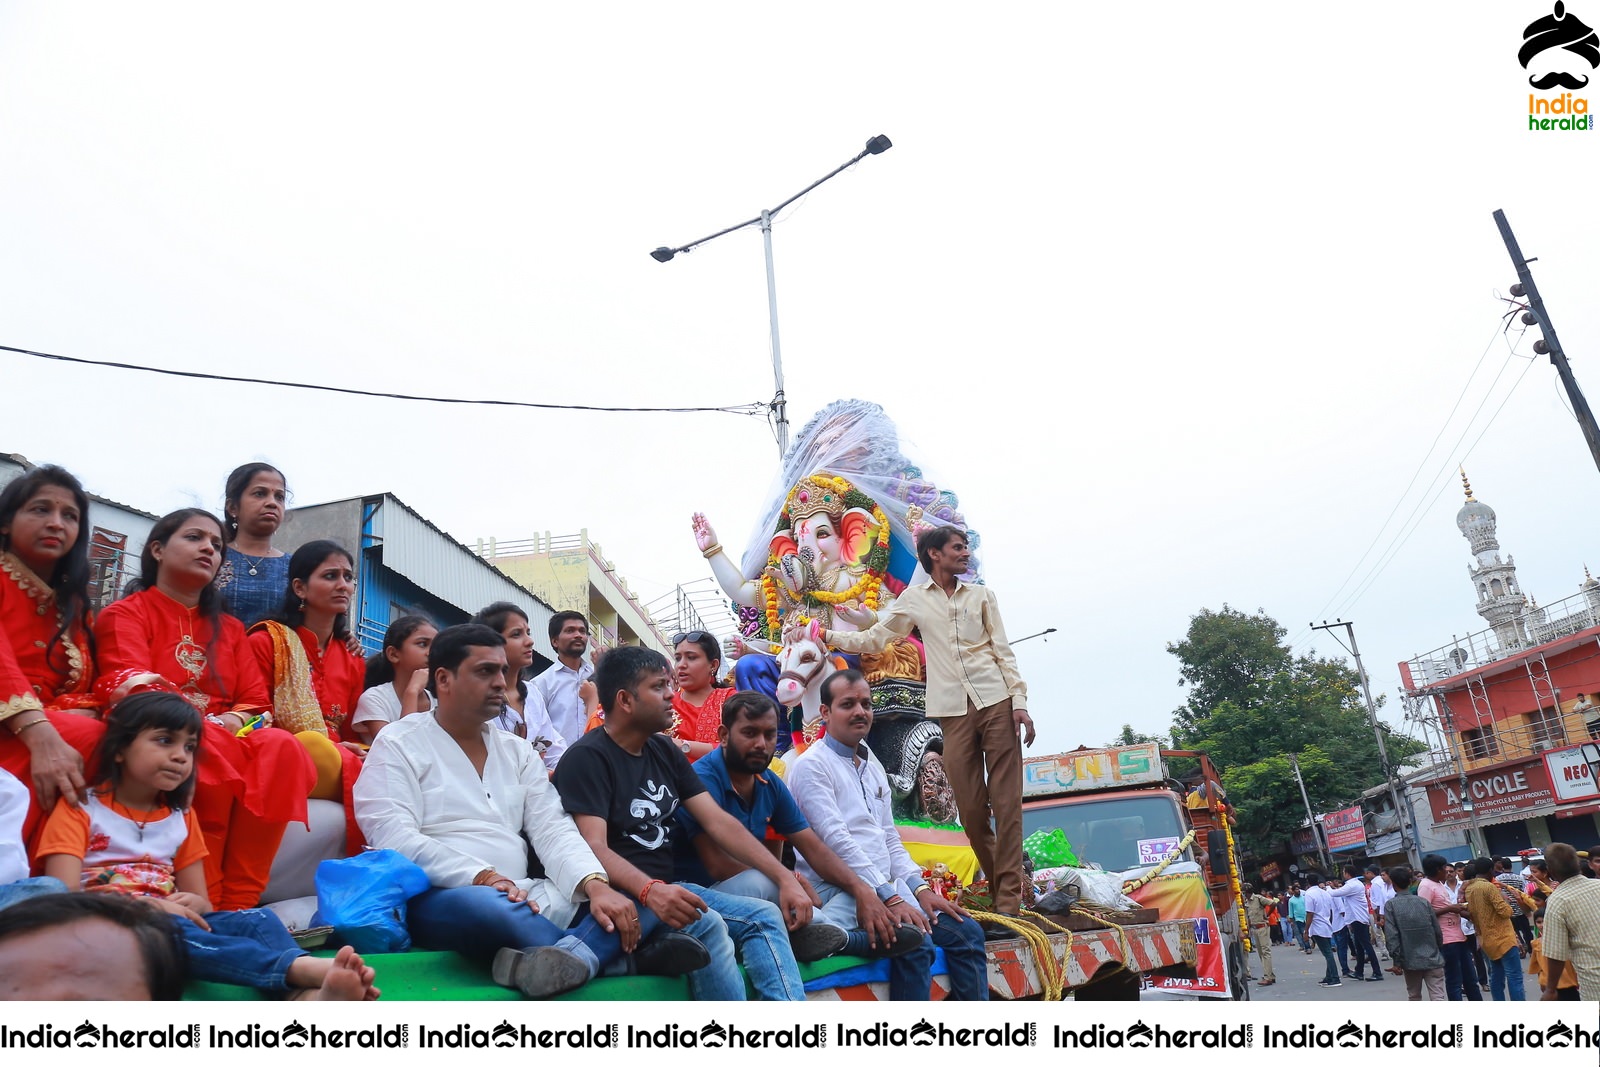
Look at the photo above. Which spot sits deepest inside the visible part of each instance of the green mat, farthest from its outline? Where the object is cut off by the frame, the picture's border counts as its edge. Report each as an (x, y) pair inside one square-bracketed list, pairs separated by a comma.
[(449, 976)]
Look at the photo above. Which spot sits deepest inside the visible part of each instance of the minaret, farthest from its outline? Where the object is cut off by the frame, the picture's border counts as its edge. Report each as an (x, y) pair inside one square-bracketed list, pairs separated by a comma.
[(1500, 599)]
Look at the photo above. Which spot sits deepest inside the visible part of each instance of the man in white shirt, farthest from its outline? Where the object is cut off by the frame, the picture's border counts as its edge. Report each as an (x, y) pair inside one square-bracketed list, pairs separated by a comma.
[(559, 688), (844, 793), (15, 885), (456, 796), (976, 694), (1319, 927)]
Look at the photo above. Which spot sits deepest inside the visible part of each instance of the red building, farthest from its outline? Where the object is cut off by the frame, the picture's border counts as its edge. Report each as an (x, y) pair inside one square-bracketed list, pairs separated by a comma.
[(1512, 703)]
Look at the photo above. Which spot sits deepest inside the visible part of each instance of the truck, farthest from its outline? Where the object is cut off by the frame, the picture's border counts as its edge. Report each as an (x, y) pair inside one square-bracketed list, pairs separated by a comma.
[(1123, 812)]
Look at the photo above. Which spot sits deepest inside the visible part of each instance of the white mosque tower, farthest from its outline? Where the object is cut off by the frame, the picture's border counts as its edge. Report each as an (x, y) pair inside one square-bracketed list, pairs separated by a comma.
[(1500, 599)]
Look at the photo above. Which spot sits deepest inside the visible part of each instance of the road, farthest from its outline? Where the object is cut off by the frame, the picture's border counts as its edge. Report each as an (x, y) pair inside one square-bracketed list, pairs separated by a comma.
[(1298, 975)]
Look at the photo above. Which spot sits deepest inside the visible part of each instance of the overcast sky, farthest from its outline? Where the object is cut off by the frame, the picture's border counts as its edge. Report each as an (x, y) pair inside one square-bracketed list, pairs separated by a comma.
[(1178, 299)]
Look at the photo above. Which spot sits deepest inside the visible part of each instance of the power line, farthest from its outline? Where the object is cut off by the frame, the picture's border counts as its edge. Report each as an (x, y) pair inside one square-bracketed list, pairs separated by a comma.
[(732, 409)]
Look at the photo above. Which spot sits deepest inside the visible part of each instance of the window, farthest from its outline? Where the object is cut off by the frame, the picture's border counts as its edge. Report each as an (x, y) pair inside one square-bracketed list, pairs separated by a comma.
[(108, 565), (1545, 729), (1480, 743)]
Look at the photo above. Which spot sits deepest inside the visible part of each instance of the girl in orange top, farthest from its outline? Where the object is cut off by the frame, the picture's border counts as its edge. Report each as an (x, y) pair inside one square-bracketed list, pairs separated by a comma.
[(48, 725), (135, 836), (697, 705), (251, 787)]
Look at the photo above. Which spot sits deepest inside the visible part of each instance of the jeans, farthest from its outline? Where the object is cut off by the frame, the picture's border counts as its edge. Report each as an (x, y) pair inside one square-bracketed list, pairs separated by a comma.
[(1361, 941), (1326, 945), (1506, 971), (1458, 974), (1341, 945), (247, 948), (911, 975), (1286, 926), (28, 888), (756, 927), (479, 920), (1300, 934)]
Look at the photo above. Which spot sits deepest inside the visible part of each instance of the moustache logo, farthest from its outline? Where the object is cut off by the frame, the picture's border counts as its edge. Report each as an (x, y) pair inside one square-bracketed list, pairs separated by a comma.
[(1559, 78)]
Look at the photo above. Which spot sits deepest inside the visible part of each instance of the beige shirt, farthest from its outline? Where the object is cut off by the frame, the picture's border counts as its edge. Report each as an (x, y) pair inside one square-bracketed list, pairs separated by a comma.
[(968, 655)]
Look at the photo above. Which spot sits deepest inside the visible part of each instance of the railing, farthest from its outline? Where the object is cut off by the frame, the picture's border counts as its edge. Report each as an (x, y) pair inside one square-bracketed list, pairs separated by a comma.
[(1532, 627)]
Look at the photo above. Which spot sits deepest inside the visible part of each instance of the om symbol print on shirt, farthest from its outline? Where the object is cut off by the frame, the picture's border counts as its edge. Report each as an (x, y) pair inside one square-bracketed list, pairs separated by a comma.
[(652, 808)]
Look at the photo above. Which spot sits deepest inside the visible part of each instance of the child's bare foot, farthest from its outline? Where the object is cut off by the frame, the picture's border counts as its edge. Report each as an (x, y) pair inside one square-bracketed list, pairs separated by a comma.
[(344, 977)]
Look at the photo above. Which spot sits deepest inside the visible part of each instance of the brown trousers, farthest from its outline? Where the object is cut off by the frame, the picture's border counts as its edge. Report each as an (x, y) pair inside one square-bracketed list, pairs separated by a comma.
[(986, 739)]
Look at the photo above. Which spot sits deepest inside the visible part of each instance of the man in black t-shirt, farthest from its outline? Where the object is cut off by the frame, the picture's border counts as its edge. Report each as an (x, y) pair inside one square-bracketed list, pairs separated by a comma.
[(622, 785)]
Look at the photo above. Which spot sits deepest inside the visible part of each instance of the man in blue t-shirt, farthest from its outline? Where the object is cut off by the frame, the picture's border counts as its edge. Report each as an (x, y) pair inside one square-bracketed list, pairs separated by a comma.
[(737, 777)]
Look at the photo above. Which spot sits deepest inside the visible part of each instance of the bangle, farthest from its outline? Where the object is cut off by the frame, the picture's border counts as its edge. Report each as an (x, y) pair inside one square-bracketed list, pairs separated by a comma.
[(645, 892), (31, 722), (596, 877), (487, 876), (892, 901), (712, 551)]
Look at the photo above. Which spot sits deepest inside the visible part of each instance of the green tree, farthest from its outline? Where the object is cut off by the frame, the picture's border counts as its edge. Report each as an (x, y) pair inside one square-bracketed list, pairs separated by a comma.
[(1130, 736), (1226, 656), (1252, 702)]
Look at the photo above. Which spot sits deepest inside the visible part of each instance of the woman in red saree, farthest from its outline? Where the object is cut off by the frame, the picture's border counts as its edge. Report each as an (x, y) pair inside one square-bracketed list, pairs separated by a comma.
[(315, 680), (49, 727), (251, 787)]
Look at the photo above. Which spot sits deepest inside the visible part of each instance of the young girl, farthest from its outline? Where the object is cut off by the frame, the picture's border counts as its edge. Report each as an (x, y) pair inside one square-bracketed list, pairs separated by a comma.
[(136, 835), (254, 573), (396, 680), (521, 716)]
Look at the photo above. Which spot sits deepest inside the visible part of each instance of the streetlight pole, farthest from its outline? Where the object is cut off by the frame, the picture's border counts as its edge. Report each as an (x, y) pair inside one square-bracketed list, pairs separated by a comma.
[(1030, 637), (780, 404)]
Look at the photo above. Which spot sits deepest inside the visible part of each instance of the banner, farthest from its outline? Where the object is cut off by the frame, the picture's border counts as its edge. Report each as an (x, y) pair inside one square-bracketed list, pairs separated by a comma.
[(1498, 793), (1345, 829), (1569, 774)]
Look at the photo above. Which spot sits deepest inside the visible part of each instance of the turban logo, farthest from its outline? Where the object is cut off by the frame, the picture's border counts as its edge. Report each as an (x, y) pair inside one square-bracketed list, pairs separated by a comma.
[(1559, 30)]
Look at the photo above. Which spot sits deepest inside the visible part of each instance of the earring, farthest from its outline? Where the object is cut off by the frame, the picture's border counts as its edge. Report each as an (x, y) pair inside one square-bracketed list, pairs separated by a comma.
[(302, 603)]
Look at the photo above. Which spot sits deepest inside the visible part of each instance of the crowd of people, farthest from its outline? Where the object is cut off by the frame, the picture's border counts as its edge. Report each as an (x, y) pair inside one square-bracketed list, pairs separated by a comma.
[(1451, 931), (615, 814)]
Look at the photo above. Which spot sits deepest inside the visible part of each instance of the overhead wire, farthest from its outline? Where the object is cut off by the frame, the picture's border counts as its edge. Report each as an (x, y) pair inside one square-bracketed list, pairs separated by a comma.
[(731, 409), (1420, 510)]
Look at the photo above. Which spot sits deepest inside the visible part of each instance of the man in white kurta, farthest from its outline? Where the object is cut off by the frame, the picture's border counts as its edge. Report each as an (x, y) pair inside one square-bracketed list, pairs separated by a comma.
[(456, 796)]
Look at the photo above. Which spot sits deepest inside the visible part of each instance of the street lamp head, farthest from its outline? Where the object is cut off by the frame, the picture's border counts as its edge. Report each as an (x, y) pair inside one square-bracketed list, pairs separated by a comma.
[(662, 254), (879, 145)]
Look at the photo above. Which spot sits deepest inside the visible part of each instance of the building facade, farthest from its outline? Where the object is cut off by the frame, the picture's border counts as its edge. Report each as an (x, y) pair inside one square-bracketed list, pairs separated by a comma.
[(1510, 706), (406, 565), (570, 573)]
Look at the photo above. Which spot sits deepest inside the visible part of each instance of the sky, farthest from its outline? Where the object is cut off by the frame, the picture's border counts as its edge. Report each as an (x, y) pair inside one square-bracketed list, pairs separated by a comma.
[(1191, 305)]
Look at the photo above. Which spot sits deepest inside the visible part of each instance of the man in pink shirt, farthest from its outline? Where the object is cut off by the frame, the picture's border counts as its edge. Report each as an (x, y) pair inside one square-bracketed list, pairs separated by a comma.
[(1459, 976)]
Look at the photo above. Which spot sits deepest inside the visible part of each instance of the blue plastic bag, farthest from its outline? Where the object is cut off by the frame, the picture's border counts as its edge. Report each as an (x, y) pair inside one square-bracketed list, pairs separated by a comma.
[(364, 898)]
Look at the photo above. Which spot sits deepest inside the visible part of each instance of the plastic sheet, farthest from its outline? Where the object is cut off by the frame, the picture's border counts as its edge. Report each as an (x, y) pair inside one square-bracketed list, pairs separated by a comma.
[(364, 899), (856, 440)]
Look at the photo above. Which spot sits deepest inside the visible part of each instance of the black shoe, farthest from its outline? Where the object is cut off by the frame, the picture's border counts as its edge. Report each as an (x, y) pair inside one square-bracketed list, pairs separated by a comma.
[(668, 954), (1352, 977), (1374, 978), (539, 972), (1330, 985), (906, 939), (817, 941)]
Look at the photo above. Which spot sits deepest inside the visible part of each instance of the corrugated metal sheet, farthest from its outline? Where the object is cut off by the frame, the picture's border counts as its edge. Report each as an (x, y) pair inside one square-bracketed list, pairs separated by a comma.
[(420, 551)]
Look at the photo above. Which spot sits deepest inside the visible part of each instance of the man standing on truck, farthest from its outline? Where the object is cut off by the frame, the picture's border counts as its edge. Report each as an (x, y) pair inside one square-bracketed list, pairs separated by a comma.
[(976, 693), (844, 793), (1255, 909)]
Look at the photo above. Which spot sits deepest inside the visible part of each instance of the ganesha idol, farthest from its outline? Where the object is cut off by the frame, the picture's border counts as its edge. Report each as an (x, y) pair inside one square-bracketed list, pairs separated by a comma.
[(837, 544)]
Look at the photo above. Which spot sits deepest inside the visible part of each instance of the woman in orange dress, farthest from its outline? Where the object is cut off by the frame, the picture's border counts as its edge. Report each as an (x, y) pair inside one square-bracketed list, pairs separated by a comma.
[(697, 705), (49, 727), (303, 655), (250, 787)]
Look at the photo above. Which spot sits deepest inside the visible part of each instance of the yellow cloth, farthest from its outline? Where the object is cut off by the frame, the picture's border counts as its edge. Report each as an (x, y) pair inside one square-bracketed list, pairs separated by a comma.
[(961, 860), (325, 757), (294, 702)]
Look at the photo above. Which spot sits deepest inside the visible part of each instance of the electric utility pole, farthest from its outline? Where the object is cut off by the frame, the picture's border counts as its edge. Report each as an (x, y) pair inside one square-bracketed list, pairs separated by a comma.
[(1311, 818), (1538, 316), (1402, 810)]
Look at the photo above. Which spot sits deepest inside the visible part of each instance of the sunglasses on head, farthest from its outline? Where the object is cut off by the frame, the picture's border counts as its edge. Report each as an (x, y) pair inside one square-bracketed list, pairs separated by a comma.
[(692, 635)]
